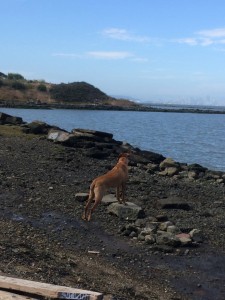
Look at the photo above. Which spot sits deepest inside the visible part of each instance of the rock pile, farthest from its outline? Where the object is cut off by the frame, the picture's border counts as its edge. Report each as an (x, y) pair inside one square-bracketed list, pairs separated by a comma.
[(165, 235)]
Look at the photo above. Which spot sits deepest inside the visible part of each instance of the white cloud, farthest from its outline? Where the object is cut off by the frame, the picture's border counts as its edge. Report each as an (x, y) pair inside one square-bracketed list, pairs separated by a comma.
[(205, 38), (140, 59), (113, 55), (213, 33), (110, 54), (124, 35), (188, 41), (71, 55)]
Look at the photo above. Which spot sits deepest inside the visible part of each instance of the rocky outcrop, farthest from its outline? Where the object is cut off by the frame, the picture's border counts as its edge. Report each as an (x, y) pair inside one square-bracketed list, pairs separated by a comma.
[(37, 127), (7, 119)]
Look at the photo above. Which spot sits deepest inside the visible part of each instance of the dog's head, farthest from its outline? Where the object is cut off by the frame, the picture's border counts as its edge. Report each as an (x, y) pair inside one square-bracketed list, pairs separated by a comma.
[(124, 157)]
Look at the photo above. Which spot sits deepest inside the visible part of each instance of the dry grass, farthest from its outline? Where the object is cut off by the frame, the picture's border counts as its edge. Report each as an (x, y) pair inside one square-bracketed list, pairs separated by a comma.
[(14, 131)]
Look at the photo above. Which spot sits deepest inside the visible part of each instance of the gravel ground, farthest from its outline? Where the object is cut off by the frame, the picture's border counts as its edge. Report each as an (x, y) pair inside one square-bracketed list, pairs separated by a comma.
[(43, 237)]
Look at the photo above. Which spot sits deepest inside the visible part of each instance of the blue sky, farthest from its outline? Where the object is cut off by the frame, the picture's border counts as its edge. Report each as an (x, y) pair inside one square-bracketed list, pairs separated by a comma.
[(157, 51)]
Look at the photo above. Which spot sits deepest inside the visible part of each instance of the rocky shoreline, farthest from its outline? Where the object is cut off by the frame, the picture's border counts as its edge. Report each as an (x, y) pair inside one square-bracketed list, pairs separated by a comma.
[(167, 243)]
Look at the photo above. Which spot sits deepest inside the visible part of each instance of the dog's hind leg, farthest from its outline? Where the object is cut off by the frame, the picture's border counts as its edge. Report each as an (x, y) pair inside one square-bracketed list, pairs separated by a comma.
[(98, 198), (118, 194), (88, 204)]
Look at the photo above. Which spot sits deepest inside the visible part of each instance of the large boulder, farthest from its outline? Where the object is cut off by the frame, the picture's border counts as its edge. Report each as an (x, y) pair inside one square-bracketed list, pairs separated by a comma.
[(38, 127), (7, 119), (197, 168), (146, 157), (130, 211), (92, 133), (60, 136), (97, 144)]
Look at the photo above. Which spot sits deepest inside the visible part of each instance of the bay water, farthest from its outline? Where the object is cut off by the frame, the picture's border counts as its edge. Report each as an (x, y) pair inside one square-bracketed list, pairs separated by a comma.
[(185, 137)]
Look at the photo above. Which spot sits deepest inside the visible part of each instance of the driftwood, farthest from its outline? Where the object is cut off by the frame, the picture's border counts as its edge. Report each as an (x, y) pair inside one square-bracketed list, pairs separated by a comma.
[(42, 289)]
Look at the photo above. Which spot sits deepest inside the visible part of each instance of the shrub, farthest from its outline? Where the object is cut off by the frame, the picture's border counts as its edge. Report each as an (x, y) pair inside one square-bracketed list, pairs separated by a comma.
[(15, 76), (17, 85), (42, 87)]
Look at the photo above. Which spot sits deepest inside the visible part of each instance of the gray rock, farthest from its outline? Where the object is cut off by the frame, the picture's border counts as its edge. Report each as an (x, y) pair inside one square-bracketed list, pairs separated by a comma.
[(133, 234), (151, 168), (173, 229), (163, 226), (141, 223), (168, 163), (173, 203), (109, 199), (141, 237), (152, 227), (38, 127), (146, 157), (81, 197), (197, 168), (167, 238), (163, 173), (150, 239), (171, 171), (92, 133), (147, 231), (185, 239), (161, 218), (192, 175), (130, 211), (197, 235), (8, 119), (58, 135)]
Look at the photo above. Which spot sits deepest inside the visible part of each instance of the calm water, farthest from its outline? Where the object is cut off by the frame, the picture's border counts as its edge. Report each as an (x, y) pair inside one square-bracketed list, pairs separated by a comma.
[(190, 138)]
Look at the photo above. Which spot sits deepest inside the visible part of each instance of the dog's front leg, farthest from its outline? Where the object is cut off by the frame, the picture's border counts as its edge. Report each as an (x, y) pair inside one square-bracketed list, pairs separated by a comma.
[(123, 192), (118, 194)]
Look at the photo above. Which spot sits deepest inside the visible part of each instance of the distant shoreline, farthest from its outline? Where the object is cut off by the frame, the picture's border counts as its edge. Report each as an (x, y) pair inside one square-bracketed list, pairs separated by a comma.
[(138, 107)]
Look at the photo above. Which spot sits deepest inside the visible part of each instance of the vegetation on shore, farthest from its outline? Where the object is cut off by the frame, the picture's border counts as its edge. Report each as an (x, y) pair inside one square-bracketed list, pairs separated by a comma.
[(15, 90)]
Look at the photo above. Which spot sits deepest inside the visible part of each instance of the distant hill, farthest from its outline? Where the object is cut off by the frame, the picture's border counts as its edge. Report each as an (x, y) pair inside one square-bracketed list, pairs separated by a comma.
[(77, 92), (16, 90)]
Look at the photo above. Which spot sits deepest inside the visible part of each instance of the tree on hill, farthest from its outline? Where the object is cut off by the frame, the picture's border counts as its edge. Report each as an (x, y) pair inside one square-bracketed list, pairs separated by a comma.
[(77, 92), (15, 76), (3, 75)]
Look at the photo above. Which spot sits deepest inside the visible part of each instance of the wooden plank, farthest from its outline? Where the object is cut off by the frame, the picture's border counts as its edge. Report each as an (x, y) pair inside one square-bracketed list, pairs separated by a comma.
[(47, 290), (12, 296)]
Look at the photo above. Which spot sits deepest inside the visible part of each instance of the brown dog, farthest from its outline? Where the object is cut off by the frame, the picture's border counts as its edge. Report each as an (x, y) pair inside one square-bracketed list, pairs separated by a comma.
[(115, 178)]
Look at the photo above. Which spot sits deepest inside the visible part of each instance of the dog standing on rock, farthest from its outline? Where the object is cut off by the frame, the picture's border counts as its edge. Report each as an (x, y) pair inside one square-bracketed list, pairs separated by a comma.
[(115, 178)]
